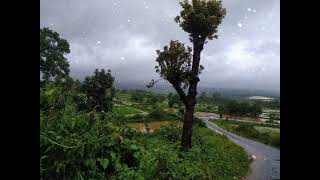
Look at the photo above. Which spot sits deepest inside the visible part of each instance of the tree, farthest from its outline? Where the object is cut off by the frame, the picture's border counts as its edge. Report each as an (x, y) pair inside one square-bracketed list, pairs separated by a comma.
[(176, 64), (137, 97), (221, 110), (53, 64), (99, 91), (256, 110)]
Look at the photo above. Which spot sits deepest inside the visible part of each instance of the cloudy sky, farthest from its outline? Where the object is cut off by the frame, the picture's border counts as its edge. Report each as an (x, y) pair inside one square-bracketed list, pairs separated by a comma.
[(123, 35)]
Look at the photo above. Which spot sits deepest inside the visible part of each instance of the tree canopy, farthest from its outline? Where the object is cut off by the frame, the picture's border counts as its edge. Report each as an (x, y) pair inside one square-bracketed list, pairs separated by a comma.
[(99, 90), (201, 18), (53, 64)]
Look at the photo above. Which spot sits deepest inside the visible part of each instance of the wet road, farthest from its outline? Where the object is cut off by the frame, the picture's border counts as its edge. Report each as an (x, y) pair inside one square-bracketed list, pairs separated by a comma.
[(266, 163)]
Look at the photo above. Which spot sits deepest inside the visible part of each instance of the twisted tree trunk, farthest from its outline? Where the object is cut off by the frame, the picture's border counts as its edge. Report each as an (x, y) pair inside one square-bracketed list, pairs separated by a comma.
[(190, 101)]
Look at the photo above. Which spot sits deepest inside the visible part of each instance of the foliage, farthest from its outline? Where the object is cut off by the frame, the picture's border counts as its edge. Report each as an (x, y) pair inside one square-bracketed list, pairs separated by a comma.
[(53, 64), (137, 97), (159, 114), (124, 110), (201, 18), (153, 99), (199, 122), (174, 99), (169, 133), (99, 91), (80, 145), (235, 108)]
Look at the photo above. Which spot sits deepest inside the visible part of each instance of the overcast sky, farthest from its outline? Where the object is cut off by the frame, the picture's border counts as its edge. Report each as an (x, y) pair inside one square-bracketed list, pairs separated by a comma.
[(123, 35)]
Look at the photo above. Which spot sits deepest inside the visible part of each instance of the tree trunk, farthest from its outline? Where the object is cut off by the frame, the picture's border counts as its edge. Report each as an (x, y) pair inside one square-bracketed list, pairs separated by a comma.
[(192, 93), (187, 128)]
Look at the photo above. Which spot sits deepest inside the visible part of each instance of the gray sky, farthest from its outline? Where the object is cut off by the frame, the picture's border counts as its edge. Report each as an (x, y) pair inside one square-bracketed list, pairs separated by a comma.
[(123, 35)]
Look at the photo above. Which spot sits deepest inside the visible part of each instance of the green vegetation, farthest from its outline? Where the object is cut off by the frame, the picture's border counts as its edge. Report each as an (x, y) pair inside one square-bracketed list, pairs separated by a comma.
[(124, 110), (83, 135), (81, 145), (258, 132), (241, 109), (53, 64)]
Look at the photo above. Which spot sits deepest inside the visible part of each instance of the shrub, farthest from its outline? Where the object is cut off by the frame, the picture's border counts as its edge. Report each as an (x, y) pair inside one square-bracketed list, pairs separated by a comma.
[(170, 133), (156, 113), (199, 122)]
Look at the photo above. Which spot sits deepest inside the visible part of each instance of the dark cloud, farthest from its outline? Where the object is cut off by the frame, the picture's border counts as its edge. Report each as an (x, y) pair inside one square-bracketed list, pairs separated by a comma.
[(123, 35)]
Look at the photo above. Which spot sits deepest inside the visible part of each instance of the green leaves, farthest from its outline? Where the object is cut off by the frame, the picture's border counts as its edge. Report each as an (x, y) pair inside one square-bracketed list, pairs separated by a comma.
[(90, 163), (53, 64), (201, 17), (99, 91), (134, 147), (104, 162)]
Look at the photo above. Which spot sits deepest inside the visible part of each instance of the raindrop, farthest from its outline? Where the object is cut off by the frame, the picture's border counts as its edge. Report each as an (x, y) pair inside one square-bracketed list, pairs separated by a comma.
[(122, 58), (249, 9), (239, 25)]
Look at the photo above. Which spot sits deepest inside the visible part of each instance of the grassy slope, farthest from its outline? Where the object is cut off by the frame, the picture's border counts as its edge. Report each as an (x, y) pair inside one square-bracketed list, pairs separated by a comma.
[(212, 156)]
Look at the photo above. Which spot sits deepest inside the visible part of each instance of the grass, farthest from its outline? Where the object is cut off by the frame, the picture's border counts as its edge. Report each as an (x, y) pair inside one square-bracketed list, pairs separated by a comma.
[(212, 156), (257, 132), (123, 110), (206, 108), (249, 123)]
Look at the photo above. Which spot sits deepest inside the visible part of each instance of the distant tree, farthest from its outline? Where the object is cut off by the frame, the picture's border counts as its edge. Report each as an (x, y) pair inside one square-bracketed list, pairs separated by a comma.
[(256, 110), (99, 91), (175, 99), (170, 103), (273, 117), (221, 110), (203, 95), (200, 19), (137, 97), (53, 64), (152, 99)]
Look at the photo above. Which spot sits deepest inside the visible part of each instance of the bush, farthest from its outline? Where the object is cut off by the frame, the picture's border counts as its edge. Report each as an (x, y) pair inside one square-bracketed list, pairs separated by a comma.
[(199, 122), (156, 113), (170, 133), (275, 140)]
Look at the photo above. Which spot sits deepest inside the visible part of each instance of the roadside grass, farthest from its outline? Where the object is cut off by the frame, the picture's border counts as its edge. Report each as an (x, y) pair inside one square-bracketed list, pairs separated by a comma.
[(212, 156), (266, 135), (249, 123)]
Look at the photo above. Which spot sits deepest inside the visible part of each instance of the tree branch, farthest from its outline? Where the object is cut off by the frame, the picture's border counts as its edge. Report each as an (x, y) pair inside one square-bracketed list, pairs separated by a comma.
[(181, 93)]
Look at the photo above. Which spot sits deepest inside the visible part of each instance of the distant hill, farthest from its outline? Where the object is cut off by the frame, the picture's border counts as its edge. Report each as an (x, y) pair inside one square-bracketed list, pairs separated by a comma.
[(166, 88)]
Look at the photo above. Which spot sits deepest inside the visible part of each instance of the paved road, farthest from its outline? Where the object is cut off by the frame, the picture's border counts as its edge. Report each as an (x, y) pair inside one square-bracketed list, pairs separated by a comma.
[(266, 163)]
